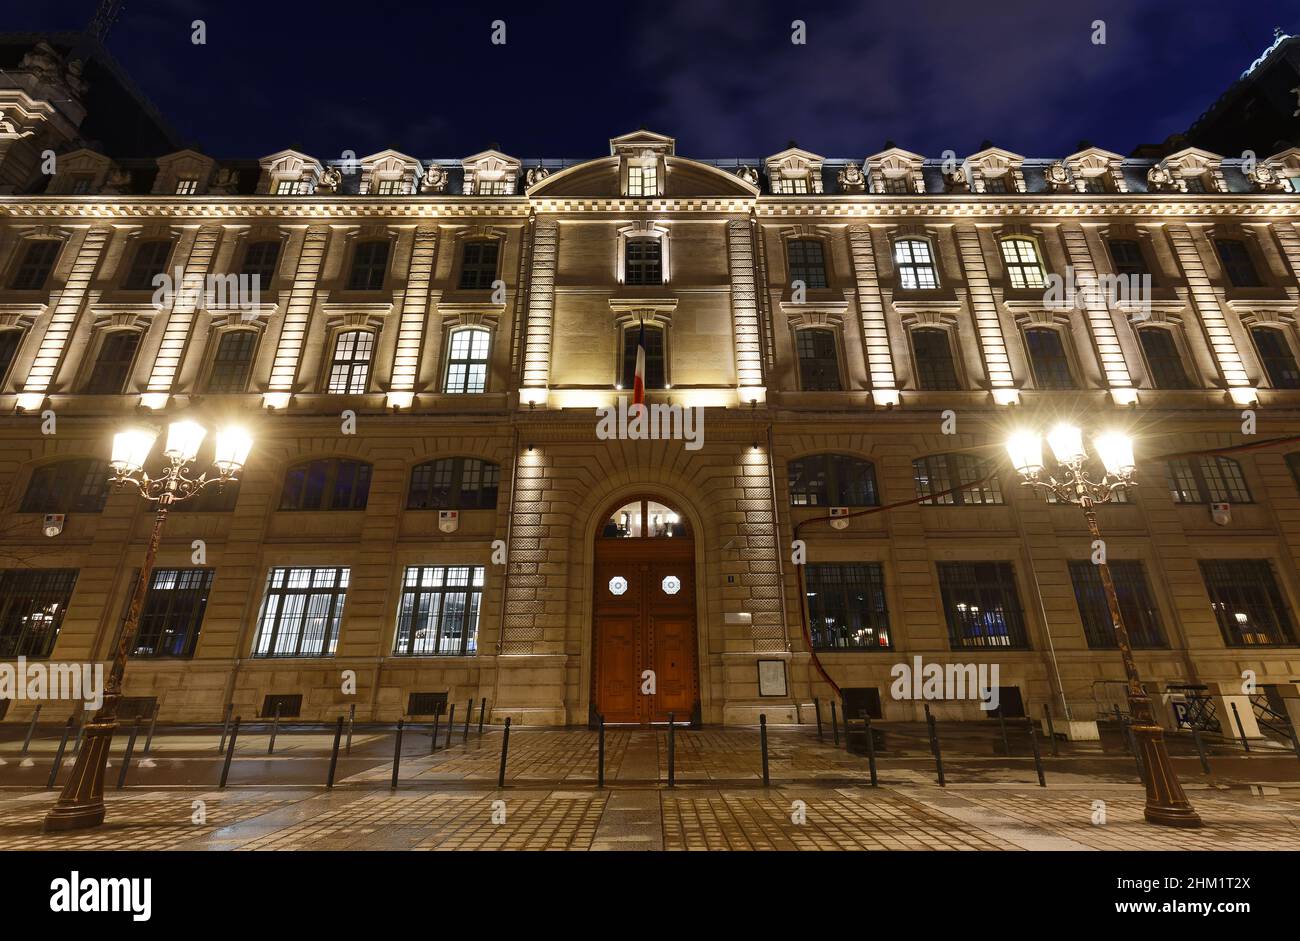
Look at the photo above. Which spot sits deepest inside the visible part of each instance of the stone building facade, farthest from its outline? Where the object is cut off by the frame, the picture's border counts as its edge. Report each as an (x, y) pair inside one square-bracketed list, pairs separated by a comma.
[(438, 336)]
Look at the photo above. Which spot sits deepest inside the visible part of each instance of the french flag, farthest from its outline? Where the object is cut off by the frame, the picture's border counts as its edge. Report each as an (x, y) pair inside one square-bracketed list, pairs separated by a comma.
[(638, 379)]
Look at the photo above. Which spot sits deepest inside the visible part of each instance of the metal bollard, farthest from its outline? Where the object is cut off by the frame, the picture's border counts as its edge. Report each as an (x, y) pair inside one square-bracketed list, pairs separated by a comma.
[(600, 753), (505, 749), (835, 725), (153, 722), (31, 729), (469, 711), (1006, 743), (230, 753), (275, 730), (762, 741), (817, 706), (1200, 750), (451, 723), (126, 759), (1038, 756), (352, 721), (871, 747), (672, 753), (1051, 728), (1236, 717), (58, 756), (334, 755), (934, 744), (397, 753), (482, 711), (433, 739), (225, 726)]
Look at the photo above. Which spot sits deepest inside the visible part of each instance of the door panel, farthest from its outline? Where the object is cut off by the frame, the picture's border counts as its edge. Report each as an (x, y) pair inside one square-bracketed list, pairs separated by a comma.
[(616, 658), (674, 666)]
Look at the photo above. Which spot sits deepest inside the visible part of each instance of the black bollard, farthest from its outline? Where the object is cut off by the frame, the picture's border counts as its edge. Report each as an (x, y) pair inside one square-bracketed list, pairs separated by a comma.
[(153, 723), (469, 711), (1038, 756), (352, 721), (848, 735), (451, 723), (672, 753), (934, 744), (334, 755), (505, 749), (1006, 743), (835, 725), (275, 730), (433, 739), (1200, 750), (31, 729), (397, 753), (871, 747), (58, 756), (482, 711), (817, 706), (230, 753), (600, 753), (225, 726), (1236, 717), (762, 742), (1051, 729), (126, 759)]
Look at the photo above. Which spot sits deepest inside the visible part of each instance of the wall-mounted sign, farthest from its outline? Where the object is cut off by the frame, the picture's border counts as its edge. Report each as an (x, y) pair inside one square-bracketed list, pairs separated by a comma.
[(771, 678), (448, 520), (839, 516)]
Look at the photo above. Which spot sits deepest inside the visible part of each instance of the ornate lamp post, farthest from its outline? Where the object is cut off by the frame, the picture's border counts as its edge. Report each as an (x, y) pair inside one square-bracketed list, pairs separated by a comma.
[(1166, 802), (82, 802)]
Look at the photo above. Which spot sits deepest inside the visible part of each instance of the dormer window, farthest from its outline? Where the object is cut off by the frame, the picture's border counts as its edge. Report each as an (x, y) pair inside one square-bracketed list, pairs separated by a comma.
[(643, 181), (293, 188), (897, 185), (787, 186), (1194, 184), (493, 188), (392, 187), (81, 184), (995, 184), (1094, 184), (187, 186)]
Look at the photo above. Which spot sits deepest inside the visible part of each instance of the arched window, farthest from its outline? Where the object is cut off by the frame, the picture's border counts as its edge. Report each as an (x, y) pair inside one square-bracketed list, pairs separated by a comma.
[(1163, 360), (643, 261), (832, 480), (939, 472), (37, 262), (467, 360), (454, 483), (113, 363), (807, 262), (478, 264), (350, 365), (915, 263), (935, 369), (75, 486), (819, 365), (1048, 359), (233, 362), (656, 371), (645, 519), (326, 484), (369, 266), (1024, 268), (1276, 356)]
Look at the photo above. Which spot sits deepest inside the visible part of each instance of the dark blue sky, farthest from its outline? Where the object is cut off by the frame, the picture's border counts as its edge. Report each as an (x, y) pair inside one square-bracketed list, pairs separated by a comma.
[(720, 75)]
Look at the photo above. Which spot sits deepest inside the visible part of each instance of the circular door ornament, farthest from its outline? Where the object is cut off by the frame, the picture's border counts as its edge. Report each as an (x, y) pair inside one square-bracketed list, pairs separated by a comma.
[(672, 584), (617, 585)]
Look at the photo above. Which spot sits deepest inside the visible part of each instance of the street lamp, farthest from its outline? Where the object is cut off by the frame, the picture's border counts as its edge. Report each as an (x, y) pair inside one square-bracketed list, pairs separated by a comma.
[(1166, 802), (82, 802)]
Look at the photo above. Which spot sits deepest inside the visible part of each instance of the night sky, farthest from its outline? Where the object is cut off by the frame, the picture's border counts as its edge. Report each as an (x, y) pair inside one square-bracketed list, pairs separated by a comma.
[(721, 77)]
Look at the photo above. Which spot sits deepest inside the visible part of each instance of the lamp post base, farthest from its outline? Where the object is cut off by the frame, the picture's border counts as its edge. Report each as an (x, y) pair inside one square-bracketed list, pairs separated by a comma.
[(81, 805), (1167, 805)]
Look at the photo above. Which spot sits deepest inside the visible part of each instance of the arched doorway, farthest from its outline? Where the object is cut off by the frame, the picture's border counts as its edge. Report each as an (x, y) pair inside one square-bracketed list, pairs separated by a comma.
[(644, 613)]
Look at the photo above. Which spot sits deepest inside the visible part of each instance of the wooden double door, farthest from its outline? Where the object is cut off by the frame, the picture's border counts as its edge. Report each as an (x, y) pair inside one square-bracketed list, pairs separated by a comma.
[(644, 619)]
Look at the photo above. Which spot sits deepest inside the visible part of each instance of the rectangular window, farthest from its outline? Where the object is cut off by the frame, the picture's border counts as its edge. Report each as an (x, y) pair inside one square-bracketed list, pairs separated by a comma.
[(939, 472), (81, 184), (819, 368), (897, 185), (260, 261), (369, 266), (655, 374), (493, 187), (982, 605), (791, 186), (1094, 184), (996, 184), (1048, 359), (642, 181), (916, 271), (807, 262), (478, 264), (1163, 359), (846, 606), (467, 361), (1206, 479), (187, 187), (32, 605), (38, 261), (172, 613), (9, 342), (1024, 270), (1127, 257), (1136, 606), (1237, 263), (301, 612), (233, 362), (439, 611), (150, 261), (643, 261), (935, 369), (350, 367), (1275, 355), (392, 187), (1194, 184), (1248, 603), (113, 364)]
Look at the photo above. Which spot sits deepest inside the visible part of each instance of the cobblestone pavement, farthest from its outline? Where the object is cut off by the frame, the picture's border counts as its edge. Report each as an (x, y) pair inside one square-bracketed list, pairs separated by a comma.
[(820, 799)]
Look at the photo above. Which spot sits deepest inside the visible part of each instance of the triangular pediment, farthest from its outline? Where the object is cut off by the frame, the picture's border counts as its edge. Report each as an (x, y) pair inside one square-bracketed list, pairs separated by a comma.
[(642, 140)]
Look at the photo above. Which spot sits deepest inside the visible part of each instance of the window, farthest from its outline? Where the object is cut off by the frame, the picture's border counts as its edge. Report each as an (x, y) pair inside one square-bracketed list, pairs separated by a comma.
[(832, 480), (1141, 617), (819, 367), (301, 612), (915, 261), (392, 187), (293, 188), (113, 364), (9, 342), (656, 376), (232, 362), (897, 185), (1275, 353), (1206, 480), (326, 484), (76, 486), (1293, 464), (1194, 184), (1094, 184), (37, 262), (807, 262), (1048, 360), (982, 605), (452, 483), (939, 472), (493, 187), (791, 185), (1024, 270), (935, 369), (439, 612), (32, 605), (661, 522), (467, 360), (350, 367), (1247, 602), (1163, 360), (478, 264), (1127, 257), (846, 606), (642, 261), (260, 262), (369, 266), (1237, 264), (150, 261), (81, 184), (643, 181), (996, 184), (172, 613), (187, 186)]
